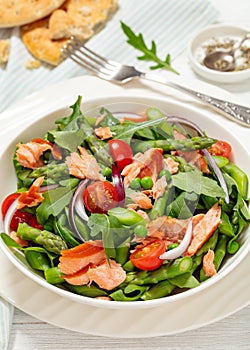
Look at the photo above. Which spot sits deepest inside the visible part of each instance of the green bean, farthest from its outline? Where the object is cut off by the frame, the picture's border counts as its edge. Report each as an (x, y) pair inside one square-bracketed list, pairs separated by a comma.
[(54, 275), (162, 289), (161, 203), (209, 244), (187, 280), (219, 254), (239, 176), (37, 260), (220, 161), (131, 292), (128, 266), (225, 226), (125, 216), (82, 228), (64, 232), (170, 270), (86, 290), (122, 254)]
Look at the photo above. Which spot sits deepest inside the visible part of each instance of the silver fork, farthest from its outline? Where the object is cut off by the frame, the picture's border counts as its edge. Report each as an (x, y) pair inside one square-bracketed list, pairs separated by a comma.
[(119, 73)]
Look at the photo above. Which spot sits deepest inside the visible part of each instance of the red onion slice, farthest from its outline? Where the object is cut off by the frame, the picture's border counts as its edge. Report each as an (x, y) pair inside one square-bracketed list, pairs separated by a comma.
[(119, 186), (210, 159), (180, 250), (76, 204)]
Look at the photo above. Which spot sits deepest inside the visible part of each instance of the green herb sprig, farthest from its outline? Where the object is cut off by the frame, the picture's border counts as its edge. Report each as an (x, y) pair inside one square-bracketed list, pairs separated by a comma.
[(138, 42)]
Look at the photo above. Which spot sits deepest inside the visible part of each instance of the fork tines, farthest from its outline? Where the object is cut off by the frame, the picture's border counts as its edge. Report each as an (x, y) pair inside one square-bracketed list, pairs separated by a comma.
[(87, 58)]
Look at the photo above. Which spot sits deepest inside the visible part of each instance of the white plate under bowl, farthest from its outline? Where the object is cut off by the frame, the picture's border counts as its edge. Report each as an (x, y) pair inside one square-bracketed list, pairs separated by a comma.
[(169, 309), (215, 31)]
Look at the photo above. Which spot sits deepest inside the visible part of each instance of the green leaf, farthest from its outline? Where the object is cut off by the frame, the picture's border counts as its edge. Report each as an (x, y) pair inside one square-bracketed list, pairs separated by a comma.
[(183, 206), (69, 140), (194, 181), (54, 202), (107, 118), (149, 54), (71, 122), (100, 229)]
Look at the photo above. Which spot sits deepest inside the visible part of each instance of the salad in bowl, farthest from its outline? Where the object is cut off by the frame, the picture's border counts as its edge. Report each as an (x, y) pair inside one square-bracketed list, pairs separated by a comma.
[(125, 207)]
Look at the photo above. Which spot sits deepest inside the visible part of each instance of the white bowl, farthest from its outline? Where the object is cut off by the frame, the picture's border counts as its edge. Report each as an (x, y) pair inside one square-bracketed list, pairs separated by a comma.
[(208, 33), (117, 103)]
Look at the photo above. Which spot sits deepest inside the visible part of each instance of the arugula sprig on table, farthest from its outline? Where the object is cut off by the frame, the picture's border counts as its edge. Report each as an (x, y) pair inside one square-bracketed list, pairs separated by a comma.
[(149, 54)]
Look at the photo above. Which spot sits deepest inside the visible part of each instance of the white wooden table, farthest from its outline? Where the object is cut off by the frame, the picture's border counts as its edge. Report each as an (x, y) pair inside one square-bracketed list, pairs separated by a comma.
[(231, 333)]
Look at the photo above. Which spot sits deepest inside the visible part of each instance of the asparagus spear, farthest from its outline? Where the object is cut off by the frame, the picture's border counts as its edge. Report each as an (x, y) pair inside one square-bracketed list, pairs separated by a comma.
[(51, 170), (194, 143), (47, 239)]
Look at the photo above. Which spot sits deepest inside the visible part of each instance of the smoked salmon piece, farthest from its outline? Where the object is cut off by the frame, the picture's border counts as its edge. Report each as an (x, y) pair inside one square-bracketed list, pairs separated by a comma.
[(32, 197), (104, 133), (56, 150), (87, 263), (75, 259), (204, 229), (84, 165), (108, 275), (159, 187), (141, 200), (79, 278), (170, 229), (208, 264), (29, 154), (149, 163), (171, 165)]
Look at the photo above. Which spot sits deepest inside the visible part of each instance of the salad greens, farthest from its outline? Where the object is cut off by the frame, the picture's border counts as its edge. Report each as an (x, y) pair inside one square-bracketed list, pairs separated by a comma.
[(131, 220)]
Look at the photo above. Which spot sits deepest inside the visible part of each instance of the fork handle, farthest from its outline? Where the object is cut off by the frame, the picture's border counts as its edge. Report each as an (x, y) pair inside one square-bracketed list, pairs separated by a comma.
[(235, 112)]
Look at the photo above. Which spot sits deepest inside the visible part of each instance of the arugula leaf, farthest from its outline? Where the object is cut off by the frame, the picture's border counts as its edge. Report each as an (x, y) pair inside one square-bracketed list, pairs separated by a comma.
[(54, 202), (108, 118), (149, 54), (183, 206), (71, 122), (69, 140), (194, 181)]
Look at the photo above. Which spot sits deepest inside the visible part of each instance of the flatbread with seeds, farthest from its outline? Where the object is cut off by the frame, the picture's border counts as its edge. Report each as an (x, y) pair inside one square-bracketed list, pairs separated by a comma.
[(36, 38), (80, 18), (19, 12)]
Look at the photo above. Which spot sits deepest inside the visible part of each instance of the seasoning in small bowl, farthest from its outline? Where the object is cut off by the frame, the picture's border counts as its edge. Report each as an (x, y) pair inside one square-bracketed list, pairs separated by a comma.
[(221, 38)]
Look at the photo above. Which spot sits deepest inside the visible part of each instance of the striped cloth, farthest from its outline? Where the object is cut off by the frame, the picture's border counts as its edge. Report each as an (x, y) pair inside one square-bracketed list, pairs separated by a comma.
[(171, 23)]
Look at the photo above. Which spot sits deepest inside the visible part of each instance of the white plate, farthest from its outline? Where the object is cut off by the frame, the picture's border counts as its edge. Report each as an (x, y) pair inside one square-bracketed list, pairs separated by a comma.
[(159, 320)]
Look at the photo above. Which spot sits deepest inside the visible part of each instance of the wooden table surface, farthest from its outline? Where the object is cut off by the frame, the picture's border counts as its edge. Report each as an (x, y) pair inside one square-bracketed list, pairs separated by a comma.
[(231, 333)]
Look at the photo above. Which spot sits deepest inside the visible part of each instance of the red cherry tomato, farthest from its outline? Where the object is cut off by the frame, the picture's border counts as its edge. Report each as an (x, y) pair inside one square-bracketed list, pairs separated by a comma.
[(19, 217), (100, 196), (147, 257), (121, 153), (7, 202), (34, 223), (220, 148)]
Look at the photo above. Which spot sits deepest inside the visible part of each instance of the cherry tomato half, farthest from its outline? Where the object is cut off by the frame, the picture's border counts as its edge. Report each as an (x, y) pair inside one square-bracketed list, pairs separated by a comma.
[(147, 257), (220, 148), (121, 153), (100, 196), (19, 217), (7, 203)]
